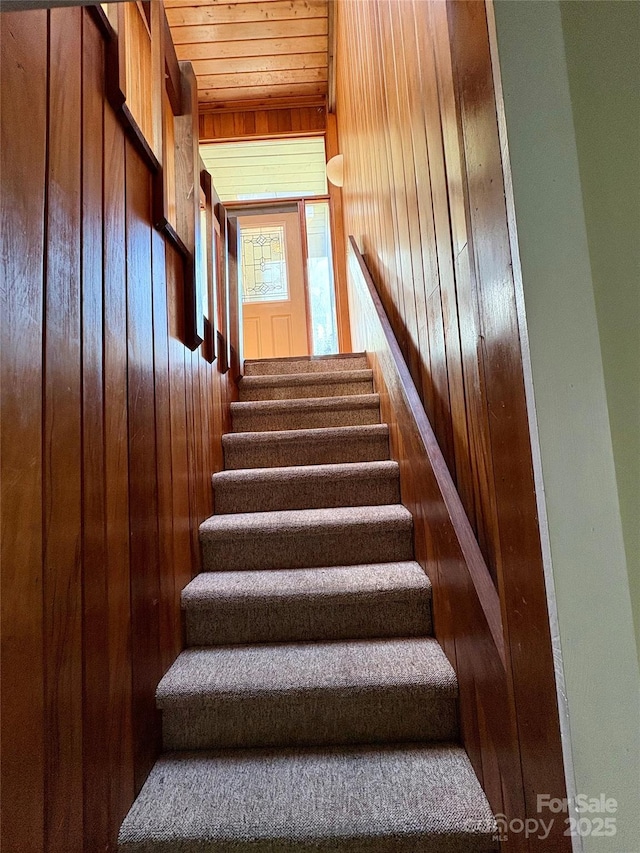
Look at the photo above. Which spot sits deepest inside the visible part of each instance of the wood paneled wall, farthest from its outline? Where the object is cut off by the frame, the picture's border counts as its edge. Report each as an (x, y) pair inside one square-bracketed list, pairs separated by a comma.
[(466, 606), (110, 431), (424, 197), (260, 123)]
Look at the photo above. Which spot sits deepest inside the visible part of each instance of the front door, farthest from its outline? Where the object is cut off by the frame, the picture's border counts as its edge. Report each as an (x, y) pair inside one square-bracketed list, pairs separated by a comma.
[(273, 288)]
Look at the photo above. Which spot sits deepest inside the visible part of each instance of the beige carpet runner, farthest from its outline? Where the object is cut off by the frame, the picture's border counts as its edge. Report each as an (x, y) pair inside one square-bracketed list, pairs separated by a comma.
[(312, 710)]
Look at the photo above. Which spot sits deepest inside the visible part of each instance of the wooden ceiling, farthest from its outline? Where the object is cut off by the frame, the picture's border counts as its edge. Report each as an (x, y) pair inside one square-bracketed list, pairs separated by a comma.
[(253, 50)]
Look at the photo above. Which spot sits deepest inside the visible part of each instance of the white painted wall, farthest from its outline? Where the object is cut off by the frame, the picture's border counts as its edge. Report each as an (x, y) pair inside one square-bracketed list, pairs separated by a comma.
[(602, 48), (589, 573)]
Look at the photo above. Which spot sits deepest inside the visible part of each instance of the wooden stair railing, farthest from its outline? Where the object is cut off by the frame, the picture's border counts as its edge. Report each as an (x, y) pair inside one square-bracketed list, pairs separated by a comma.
[(467, 610)]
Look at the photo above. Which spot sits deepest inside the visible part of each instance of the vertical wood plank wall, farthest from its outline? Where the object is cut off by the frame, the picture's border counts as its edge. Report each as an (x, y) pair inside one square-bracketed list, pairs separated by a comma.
[(110, 431), (424, 198)]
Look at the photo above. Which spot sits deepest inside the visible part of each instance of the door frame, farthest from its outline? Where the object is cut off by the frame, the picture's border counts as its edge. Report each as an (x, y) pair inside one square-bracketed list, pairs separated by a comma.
[(257, 207)]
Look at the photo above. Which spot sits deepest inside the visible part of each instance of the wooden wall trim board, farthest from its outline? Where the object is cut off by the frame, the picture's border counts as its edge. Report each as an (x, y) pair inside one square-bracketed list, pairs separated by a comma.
[(159, 53), (172, 69), (424, 193), (188, 212), (302, 220), (331, 57), (262, 122), (282, 205), (288, 102), (216, 262), (235, 337), (338, 241), (224, 362), (110, 430)]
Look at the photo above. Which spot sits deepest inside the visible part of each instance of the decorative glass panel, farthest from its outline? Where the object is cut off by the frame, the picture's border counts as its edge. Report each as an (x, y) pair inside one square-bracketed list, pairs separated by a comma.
[(264, 269)]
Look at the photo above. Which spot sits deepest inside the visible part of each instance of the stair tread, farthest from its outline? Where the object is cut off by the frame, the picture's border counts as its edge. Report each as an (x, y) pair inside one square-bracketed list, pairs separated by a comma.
[(306, 486), (209, 588), (333, 377), (285, 654), (202, 674), (353, 401), (302, 605), (294, 436), (397, 798), (245, 525), (305, 364), (339, 470)]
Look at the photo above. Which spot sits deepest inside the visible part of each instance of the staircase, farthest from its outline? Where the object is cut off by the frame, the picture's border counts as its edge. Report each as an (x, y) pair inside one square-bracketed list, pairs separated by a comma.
[(312, 710)]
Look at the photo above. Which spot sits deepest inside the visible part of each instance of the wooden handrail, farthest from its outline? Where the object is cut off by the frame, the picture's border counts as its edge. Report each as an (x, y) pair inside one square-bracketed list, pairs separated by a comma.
[(475, 562)]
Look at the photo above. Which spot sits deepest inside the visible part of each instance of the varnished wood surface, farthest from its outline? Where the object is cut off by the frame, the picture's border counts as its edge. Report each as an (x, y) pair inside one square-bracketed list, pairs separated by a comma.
[(110, 431), (143, 497), (95, 580), (118, 710), (371, 326), (261, 122), (518, 549), (134, 38), (424, 195), (172, 69), (62, 440), (466, 606), (338, 242), (247, 50), (187, 170), (23, 145)]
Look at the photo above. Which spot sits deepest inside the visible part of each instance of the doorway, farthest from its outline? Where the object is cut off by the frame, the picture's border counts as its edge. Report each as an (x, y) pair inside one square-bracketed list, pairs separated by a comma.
[(272, 279)]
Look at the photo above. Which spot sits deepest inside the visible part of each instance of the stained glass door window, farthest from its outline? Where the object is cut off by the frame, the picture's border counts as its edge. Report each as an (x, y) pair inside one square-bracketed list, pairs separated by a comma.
[(264, 268)]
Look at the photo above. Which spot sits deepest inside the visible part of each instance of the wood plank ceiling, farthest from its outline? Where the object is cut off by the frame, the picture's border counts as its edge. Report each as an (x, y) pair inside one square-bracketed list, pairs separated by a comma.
[(271, 51)]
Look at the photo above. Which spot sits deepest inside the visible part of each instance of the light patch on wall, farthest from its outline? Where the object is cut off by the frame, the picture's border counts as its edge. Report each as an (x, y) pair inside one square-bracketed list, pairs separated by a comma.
[(279, 168)]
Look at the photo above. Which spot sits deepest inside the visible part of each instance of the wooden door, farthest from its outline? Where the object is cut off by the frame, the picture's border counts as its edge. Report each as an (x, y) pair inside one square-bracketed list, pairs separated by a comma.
[(273, 290)]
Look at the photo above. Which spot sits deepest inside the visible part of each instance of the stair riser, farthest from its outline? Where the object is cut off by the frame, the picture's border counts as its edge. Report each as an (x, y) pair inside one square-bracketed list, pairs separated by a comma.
[(309, 493), (260, 454), (312, 718), (294, 392), (255, 421), (336, 617), (305, 365), (341, 546)]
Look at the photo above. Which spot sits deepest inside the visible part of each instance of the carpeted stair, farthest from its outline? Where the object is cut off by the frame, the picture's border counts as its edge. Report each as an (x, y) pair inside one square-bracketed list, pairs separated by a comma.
[(312, 710)]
